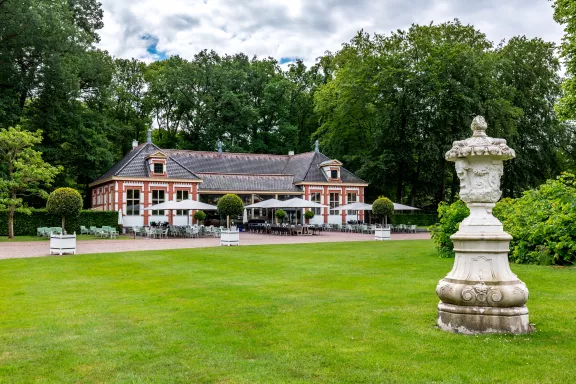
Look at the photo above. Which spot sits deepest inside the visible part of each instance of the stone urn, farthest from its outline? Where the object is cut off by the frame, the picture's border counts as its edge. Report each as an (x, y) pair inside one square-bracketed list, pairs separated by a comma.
[(481, 294)]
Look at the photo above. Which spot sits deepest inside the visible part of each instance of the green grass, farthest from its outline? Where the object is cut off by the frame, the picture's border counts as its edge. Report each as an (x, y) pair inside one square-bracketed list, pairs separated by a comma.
[(322, 313), (5, 239)]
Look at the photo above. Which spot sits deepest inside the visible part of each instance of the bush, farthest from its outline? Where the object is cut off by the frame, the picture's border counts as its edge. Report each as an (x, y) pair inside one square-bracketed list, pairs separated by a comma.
[(449, 218), (200, 216), (383, 207), (280, 215), (542, 223), (65, 203), (419, 219), (230, 205), (309, 215), (26, 225)]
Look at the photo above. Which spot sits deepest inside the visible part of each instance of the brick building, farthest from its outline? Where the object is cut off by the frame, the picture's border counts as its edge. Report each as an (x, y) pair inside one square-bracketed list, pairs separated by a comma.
[(149, 175)]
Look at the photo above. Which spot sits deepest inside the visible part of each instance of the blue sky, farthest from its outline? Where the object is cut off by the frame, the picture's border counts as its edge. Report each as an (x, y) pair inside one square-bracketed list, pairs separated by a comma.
[(289, 29)]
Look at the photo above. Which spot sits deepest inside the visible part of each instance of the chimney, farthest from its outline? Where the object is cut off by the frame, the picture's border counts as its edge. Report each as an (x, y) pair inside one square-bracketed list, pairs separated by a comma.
[(149, 136), (290, 153), (316, 147), (219, 149), (134, 143)]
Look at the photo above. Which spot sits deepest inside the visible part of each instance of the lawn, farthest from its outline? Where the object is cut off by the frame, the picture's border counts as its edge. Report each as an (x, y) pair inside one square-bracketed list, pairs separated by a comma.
[(323, 313)]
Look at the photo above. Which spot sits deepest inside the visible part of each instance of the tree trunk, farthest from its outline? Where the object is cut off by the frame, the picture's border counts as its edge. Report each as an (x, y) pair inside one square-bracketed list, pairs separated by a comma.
[(63, 229), (11, 223), (228, 222)]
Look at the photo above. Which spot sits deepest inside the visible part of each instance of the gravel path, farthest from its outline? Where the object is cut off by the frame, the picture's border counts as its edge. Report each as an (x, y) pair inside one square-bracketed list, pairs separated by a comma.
[(41, 248)]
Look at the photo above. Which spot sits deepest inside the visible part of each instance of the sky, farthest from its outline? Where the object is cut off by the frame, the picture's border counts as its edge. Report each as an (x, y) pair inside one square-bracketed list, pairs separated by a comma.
[(290, 29)]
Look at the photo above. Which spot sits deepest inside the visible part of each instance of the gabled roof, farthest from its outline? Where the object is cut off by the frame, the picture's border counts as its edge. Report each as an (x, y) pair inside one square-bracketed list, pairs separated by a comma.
[(231, 171), (134, 165)]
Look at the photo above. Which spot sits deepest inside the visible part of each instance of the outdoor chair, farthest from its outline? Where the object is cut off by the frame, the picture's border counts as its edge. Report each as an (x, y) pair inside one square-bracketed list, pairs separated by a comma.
[(113, 234), (84, 230), (299, 229)]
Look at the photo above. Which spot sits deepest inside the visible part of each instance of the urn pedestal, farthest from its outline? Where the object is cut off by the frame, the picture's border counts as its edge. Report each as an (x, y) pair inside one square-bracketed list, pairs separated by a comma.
[(481, 294)]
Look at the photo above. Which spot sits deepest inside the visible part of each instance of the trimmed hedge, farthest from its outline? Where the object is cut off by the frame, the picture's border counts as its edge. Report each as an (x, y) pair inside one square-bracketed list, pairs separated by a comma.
[(420, 219), (26, 225)]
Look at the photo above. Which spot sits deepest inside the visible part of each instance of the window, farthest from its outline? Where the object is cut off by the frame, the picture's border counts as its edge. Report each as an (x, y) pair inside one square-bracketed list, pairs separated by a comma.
[(133, 202), (334, 174), (157, 198), (181, 195), (334, 203), (158, 168), (316, 197), (352, 198)]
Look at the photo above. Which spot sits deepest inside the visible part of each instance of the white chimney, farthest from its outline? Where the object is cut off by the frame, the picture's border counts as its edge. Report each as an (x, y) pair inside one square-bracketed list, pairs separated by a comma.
[(134, 143), (291, 153)]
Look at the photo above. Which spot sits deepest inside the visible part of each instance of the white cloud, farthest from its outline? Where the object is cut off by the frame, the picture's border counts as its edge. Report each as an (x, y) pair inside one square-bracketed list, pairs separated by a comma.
[(300, 28)]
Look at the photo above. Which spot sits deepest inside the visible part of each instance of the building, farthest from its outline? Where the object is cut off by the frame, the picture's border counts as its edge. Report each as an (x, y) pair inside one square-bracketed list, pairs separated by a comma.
[(150, 175)]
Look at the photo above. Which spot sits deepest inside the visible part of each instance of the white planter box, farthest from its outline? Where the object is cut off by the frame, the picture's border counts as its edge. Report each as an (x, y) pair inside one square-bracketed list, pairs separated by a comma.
[(63, 244), (382, 234), (230, 238)]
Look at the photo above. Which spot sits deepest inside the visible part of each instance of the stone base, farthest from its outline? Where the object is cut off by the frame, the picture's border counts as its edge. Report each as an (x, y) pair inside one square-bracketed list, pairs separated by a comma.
[(475, 320)]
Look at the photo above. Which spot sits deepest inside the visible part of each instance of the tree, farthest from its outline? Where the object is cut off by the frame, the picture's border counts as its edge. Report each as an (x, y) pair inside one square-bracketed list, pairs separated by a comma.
[(382, 208), (565, 13), (66, 203), (230, 205), (200, 216), (25, 172), (309, 215)]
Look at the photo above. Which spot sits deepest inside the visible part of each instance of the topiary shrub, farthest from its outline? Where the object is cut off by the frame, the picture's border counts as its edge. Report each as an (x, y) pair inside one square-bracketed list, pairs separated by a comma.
[(449, 218), (200, 216), (280, 215), (309, 215), (66, 203), (382, 208), (230, 205)]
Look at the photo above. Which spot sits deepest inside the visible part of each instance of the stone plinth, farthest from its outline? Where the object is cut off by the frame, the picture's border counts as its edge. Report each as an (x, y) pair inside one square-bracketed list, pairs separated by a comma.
[(481, 294)]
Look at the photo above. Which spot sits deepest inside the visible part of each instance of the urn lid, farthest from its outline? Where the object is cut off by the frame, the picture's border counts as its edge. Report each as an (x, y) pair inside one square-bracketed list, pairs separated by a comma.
[(480, 144)]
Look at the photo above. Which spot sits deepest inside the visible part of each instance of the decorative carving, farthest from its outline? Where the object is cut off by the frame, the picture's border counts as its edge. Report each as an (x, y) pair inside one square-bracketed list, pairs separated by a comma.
[(481, 294)]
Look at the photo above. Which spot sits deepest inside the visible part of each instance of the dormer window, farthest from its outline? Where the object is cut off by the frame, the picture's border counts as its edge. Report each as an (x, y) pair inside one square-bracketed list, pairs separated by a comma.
[(331, 169), (157, 164), (334, 174)]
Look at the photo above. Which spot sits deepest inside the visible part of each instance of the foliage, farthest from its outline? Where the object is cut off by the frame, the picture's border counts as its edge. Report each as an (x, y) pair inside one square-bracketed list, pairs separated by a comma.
[(309, 215), (449, 218), (419, 219), (65, 203), (418, 90), (26, 224), (309, 313), (200, 216), (542, 223), (280, 215), (25, 171), (230, 205), (383, 207)]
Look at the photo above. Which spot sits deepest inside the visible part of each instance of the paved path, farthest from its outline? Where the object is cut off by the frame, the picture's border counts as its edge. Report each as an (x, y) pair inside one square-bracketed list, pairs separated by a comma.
[(40, 248)]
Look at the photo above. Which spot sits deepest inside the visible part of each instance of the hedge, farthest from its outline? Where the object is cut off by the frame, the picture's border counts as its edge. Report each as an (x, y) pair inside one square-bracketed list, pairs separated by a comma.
[(27, 224), (420, 219)]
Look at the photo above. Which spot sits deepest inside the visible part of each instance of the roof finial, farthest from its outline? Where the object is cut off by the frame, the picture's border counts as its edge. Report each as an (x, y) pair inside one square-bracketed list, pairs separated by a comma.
[(149, 140), (316, 149), (219, 148)]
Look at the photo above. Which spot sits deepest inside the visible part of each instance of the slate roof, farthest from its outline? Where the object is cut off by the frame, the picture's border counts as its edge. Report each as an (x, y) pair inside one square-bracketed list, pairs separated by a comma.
[(228, 182), (231, 171)]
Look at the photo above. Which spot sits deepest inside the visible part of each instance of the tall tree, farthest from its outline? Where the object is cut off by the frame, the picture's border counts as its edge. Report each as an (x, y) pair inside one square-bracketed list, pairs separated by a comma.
[(25, 174)]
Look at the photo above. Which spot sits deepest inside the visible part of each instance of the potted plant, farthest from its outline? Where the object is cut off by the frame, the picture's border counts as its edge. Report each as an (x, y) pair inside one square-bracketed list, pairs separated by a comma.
[(66, 203), (383, 208), (200, 216), (280, 215), (230, 205), (309, 215)]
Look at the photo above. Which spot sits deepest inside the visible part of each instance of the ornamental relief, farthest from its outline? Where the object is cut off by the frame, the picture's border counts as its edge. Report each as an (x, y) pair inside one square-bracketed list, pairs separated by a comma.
[(479, 183), (481, 294)]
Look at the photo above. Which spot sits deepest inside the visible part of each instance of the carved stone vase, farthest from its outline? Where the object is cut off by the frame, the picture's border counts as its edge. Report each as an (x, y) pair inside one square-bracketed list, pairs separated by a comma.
[(481, 294)]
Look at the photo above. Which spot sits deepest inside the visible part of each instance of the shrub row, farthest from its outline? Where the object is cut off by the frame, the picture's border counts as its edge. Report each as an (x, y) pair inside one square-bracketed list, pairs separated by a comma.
[(420, 219), (27, 224)]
